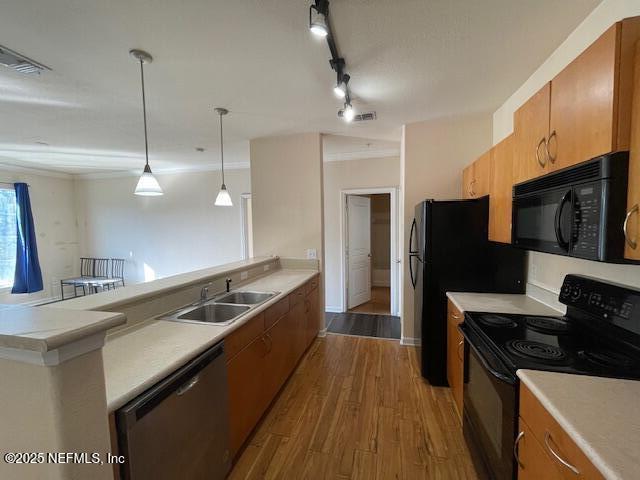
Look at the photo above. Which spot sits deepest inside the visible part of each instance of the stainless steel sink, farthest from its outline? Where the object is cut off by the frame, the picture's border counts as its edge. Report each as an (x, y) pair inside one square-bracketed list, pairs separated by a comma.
[(244, 298), (214, 313)]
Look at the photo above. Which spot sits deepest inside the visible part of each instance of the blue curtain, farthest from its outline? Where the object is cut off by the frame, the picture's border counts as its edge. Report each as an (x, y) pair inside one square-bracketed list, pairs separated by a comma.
[(28, 277)]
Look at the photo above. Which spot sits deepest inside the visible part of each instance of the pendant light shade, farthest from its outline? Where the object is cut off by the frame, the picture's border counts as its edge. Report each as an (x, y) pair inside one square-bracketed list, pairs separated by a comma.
[(147, 185), (223, 199)]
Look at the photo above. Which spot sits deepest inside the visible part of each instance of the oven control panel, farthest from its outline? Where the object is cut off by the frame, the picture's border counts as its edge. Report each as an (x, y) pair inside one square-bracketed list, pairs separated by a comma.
[(615, 303)]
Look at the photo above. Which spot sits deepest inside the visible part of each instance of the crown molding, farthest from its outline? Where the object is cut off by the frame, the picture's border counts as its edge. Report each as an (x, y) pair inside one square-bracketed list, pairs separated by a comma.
[(7, 167), (362, 154), (163, 171)]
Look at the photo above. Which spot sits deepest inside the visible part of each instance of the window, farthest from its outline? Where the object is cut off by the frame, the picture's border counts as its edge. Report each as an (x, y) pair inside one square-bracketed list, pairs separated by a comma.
[(8, 237)]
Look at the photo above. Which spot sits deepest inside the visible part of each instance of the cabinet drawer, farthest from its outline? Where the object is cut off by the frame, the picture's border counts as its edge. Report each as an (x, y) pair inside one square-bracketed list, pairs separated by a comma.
[(297, 296), (312, 284), (553, 439), (274, 312), (243, 336)]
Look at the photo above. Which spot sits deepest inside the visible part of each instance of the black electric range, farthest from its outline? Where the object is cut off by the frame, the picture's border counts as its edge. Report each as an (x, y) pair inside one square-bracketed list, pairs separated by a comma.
[(599, 336)]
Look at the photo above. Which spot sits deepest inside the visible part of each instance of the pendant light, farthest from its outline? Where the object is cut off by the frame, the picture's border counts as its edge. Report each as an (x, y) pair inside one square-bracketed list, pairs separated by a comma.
[(147, 185), (223, 199)]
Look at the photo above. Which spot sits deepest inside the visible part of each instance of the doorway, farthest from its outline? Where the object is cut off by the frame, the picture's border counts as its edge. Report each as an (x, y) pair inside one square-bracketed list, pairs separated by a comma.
[(370, 268)]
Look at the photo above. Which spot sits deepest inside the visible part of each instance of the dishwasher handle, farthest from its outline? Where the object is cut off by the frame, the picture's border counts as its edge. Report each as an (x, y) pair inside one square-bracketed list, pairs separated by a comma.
[(181, 381)]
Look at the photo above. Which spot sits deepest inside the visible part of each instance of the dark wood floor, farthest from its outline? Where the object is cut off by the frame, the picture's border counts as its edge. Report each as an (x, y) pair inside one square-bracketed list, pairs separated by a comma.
[(361, 324), (357, 408)]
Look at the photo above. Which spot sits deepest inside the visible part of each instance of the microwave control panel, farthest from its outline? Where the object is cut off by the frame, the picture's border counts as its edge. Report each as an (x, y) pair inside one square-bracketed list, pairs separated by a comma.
[(586, 220)]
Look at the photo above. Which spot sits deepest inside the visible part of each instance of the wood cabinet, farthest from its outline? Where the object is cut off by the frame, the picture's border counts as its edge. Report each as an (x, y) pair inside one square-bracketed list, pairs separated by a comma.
[(313, 315), (475, 178), (263, 353), (632, 230), (455, 357), (590, 99), (531, 129), (584, 112), (544, 449), (500, 191)]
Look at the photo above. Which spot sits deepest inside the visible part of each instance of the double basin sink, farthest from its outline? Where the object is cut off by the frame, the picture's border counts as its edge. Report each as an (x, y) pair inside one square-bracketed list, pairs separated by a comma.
[(221, 310)]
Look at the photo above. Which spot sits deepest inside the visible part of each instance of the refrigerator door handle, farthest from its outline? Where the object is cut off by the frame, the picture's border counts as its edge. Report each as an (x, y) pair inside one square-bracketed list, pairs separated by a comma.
[(413, 229)]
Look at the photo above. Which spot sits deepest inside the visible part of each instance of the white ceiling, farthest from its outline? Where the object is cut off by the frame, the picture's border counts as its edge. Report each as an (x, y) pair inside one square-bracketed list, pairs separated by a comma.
[(409, 60)]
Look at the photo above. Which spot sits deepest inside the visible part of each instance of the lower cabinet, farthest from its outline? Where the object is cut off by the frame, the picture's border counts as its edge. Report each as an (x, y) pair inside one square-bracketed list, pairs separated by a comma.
[(544, 450), (265, 351), (455, 354)]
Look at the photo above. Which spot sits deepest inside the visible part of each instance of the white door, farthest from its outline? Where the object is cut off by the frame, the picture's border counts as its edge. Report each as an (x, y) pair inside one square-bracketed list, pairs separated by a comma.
[(358, 250)]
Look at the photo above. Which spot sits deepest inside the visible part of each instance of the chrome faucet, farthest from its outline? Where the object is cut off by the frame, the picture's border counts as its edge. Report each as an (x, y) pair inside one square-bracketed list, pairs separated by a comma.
[(204, 293), (228, 282)]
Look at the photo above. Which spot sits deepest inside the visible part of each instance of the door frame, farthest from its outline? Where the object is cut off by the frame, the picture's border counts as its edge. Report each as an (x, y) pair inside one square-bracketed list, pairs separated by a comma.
[(395, 257)]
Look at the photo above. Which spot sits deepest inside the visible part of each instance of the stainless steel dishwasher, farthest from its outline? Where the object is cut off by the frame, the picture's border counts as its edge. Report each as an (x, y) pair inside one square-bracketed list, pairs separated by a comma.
[(179, 428)]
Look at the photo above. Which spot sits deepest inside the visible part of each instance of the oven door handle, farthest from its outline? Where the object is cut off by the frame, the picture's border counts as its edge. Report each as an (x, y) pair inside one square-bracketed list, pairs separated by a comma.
[(502, 376), (564, 244)]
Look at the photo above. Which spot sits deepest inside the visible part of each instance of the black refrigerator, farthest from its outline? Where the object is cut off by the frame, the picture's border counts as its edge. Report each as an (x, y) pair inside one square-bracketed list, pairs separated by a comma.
[(450, 251)]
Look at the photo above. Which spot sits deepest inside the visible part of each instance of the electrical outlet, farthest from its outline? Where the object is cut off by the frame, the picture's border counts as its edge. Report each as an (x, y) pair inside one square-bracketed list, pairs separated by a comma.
[(312, 254), (244, 275)]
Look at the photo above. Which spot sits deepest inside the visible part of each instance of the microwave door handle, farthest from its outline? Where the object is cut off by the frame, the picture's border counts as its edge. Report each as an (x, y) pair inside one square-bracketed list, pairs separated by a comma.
[(557, 226)]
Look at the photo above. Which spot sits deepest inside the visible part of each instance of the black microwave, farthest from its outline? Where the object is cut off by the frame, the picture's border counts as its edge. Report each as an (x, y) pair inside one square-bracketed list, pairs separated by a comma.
[(578, 211)]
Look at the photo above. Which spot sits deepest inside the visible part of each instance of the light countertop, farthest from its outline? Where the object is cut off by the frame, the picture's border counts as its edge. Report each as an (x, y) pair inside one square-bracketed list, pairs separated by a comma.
[(500, 303), (112, 299), (136, 359), (601, 415), (43, 329)]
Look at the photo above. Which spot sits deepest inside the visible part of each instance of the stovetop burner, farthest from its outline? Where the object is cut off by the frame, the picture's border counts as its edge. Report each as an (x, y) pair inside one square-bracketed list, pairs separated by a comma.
[(608, 359), (550, 325), (536, 350), (497, 321)]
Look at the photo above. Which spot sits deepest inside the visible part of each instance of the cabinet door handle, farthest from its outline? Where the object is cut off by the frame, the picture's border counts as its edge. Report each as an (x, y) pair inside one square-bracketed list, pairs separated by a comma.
[(515, 449), (263, 339), (473, 192), (561, 461), (551, 158), (632, 242), (543, 141), (270, 342), (460, 344)]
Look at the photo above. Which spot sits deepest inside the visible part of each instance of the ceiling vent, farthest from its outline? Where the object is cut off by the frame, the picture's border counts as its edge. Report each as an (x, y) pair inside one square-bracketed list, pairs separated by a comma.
[(365, 117), (20, 63)]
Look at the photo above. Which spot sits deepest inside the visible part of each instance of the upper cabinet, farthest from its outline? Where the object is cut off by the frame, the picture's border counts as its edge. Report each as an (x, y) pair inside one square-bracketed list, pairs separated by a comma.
[(584, 112), (500, 190), (632, 221), (475, 178), (591, 99), (531, 129)]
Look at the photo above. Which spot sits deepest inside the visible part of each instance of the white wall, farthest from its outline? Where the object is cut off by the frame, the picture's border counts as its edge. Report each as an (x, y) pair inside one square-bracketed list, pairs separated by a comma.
[(546, 270), (346, 175), (434, 153), (52, 203), (160, 236)]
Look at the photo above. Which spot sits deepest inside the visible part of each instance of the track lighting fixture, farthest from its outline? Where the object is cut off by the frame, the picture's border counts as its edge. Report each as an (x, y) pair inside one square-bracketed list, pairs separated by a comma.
[(147, 186), (318, 18), (341, 87), (320, 25)]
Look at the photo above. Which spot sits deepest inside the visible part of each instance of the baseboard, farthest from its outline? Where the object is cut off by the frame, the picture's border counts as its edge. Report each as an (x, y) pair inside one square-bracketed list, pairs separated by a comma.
[(410, 341), (381, 278), (330, 309), (322, 333)]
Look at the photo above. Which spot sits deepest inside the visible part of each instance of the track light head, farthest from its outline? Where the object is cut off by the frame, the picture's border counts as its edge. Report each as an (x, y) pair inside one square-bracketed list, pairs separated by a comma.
[(347, 113), (341, 87), (318, 19)]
